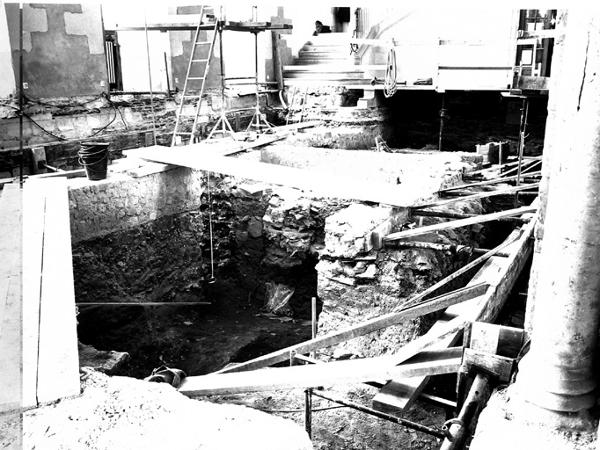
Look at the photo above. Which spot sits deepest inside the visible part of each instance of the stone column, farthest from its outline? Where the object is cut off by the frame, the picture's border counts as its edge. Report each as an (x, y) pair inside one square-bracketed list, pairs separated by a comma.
[(557, 373)]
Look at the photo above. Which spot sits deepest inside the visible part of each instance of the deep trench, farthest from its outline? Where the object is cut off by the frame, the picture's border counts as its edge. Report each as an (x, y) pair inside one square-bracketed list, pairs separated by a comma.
[(166, 260)]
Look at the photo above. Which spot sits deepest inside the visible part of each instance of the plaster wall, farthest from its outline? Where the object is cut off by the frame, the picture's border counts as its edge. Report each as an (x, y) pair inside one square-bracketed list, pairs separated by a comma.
[(63, 49), (7, 76)]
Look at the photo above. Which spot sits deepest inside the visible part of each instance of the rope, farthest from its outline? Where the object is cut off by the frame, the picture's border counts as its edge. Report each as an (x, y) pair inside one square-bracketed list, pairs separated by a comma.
[(210, 229), (391, 71), (150, 79)]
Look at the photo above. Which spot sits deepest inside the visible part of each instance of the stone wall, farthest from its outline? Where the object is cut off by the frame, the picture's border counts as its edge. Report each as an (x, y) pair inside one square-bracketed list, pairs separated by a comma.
[(121, 201), (357, 281)]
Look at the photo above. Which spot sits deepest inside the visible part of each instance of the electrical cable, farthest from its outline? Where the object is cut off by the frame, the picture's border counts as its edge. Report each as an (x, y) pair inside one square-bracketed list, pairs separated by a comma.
[(391, 71)]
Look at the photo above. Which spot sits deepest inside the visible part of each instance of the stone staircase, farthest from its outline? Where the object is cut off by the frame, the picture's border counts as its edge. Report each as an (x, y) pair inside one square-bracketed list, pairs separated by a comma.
[(326, 59)]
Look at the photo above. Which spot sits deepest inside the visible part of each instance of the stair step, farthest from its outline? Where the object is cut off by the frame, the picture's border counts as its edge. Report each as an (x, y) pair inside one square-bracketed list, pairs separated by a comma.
[(349, 67), (325, 62)]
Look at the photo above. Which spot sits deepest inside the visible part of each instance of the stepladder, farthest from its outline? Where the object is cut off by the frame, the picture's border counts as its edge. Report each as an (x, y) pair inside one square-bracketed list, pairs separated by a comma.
[(189, 110)]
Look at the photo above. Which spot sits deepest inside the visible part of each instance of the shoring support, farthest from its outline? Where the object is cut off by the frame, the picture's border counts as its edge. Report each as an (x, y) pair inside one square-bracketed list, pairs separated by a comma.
[(390, 418)]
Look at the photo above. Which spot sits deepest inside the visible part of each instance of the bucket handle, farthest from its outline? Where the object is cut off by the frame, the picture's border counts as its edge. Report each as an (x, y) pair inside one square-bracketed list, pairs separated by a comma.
[(84, 164)]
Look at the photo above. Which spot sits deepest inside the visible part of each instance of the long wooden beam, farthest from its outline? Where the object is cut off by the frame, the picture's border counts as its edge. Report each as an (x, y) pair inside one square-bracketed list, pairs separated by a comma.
[(377, 323), (459, 223), (11, 297), (488, 182), (319, 183), (351, 371), (510, 190), (453, 215)]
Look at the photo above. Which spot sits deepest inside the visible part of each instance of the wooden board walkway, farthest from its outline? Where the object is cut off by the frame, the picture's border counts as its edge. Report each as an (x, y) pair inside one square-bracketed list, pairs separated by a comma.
[(50, 357), (351, 371), (399, 394), (10, 297), (320, 184)]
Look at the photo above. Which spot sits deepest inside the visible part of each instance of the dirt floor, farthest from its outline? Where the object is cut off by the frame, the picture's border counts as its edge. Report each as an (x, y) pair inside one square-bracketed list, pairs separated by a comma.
[(335, 428), (196, 339), (124, 413)]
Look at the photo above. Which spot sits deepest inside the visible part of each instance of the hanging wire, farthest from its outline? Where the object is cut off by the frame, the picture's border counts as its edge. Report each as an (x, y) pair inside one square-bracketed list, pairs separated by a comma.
[(210, 231), (391, 71), (150, 79)]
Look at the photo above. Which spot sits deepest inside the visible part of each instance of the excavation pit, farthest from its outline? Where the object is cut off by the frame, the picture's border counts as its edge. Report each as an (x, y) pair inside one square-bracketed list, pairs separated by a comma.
[(142, 235)]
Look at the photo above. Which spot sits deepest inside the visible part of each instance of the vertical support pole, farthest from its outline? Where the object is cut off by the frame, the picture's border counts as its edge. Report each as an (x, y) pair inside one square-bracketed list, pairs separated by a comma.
[(221, 65), (167, 75), (257, 113), (21, 151), (442, 117), (523, 127), (308, 412), (150, 80), (308, 392)]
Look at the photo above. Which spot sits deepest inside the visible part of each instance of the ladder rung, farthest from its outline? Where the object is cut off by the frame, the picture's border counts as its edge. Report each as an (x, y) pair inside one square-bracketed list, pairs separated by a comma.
[(183, 132), (203, 43), (199, 60), (195, 78)]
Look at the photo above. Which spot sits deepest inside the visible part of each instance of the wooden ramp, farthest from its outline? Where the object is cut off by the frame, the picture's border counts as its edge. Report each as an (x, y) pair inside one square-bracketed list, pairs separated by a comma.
[(50, 354), (320, 183), (10, 297), (501, 273)]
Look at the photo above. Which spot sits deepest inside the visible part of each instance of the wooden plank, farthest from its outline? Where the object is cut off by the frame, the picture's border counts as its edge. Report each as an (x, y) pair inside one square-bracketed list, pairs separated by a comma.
[(58, 364), (452, 215), (143, 303), (459, 223), (510, 190), (10, 297), (502, 274), (34, 205), (320, 184), (487, 182), (350, 371), (360, 329)]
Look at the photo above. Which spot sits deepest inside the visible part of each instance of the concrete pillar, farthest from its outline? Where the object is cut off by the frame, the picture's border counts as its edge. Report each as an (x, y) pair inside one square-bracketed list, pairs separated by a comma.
[(557, 373)]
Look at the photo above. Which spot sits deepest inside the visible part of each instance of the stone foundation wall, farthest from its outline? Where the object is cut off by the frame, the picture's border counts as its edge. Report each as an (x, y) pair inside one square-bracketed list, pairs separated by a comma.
[(122, 201), (357, 281)]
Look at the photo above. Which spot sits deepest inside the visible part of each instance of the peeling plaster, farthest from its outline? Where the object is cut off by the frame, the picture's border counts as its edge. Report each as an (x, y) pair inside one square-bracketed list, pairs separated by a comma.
[(35, 19), (86, 23), (177, 40)]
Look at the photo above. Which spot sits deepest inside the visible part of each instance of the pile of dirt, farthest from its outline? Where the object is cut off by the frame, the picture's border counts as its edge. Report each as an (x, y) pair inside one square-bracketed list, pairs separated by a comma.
[(123, 413)]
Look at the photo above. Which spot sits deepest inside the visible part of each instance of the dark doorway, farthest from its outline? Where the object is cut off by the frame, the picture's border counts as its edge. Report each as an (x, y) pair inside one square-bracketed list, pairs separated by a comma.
[(341, 19)]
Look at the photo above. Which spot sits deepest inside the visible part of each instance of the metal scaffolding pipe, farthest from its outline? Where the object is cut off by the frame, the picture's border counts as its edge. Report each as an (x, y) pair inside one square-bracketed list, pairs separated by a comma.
[(407, 423), (557, 374)]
